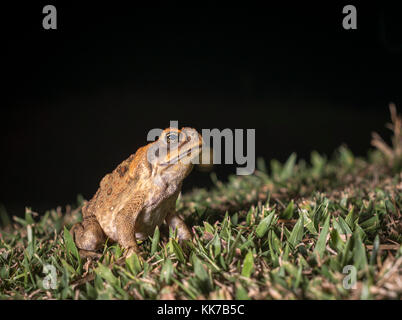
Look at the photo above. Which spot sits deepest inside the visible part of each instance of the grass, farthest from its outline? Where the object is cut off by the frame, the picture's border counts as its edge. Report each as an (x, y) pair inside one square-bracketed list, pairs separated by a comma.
[(283, 233)]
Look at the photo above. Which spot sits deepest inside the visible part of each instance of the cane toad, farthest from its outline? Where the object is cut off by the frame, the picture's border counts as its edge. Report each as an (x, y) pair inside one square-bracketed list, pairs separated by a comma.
[(140, 194)]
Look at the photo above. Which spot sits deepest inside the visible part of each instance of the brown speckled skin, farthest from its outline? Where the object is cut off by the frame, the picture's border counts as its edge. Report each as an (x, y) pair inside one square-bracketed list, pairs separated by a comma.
[(138, 196)]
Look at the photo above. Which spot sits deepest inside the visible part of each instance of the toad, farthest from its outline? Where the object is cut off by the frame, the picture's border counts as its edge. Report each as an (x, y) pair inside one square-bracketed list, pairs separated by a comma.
[(140, 194)]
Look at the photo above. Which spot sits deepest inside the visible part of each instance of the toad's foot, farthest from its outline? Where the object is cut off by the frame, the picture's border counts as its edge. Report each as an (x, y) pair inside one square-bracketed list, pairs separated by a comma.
[(176, 223), (84, 254)]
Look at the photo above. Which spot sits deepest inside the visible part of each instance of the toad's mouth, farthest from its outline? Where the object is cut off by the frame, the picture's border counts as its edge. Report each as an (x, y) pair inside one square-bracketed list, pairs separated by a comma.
[(190, 153)]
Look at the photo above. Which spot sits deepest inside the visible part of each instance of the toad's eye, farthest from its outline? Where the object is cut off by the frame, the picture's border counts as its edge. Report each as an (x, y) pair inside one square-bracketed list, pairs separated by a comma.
[(172, 137)]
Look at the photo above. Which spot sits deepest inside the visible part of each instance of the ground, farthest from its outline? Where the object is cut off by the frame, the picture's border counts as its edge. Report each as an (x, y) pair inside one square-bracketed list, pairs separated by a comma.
[(298, 230)]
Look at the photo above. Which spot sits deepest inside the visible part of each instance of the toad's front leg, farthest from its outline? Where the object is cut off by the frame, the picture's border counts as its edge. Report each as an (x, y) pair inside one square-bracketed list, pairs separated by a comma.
[(125, 227)]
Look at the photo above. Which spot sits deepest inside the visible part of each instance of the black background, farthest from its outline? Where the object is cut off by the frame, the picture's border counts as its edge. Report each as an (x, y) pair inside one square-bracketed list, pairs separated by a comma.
[(252, 308), (80, 99)]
